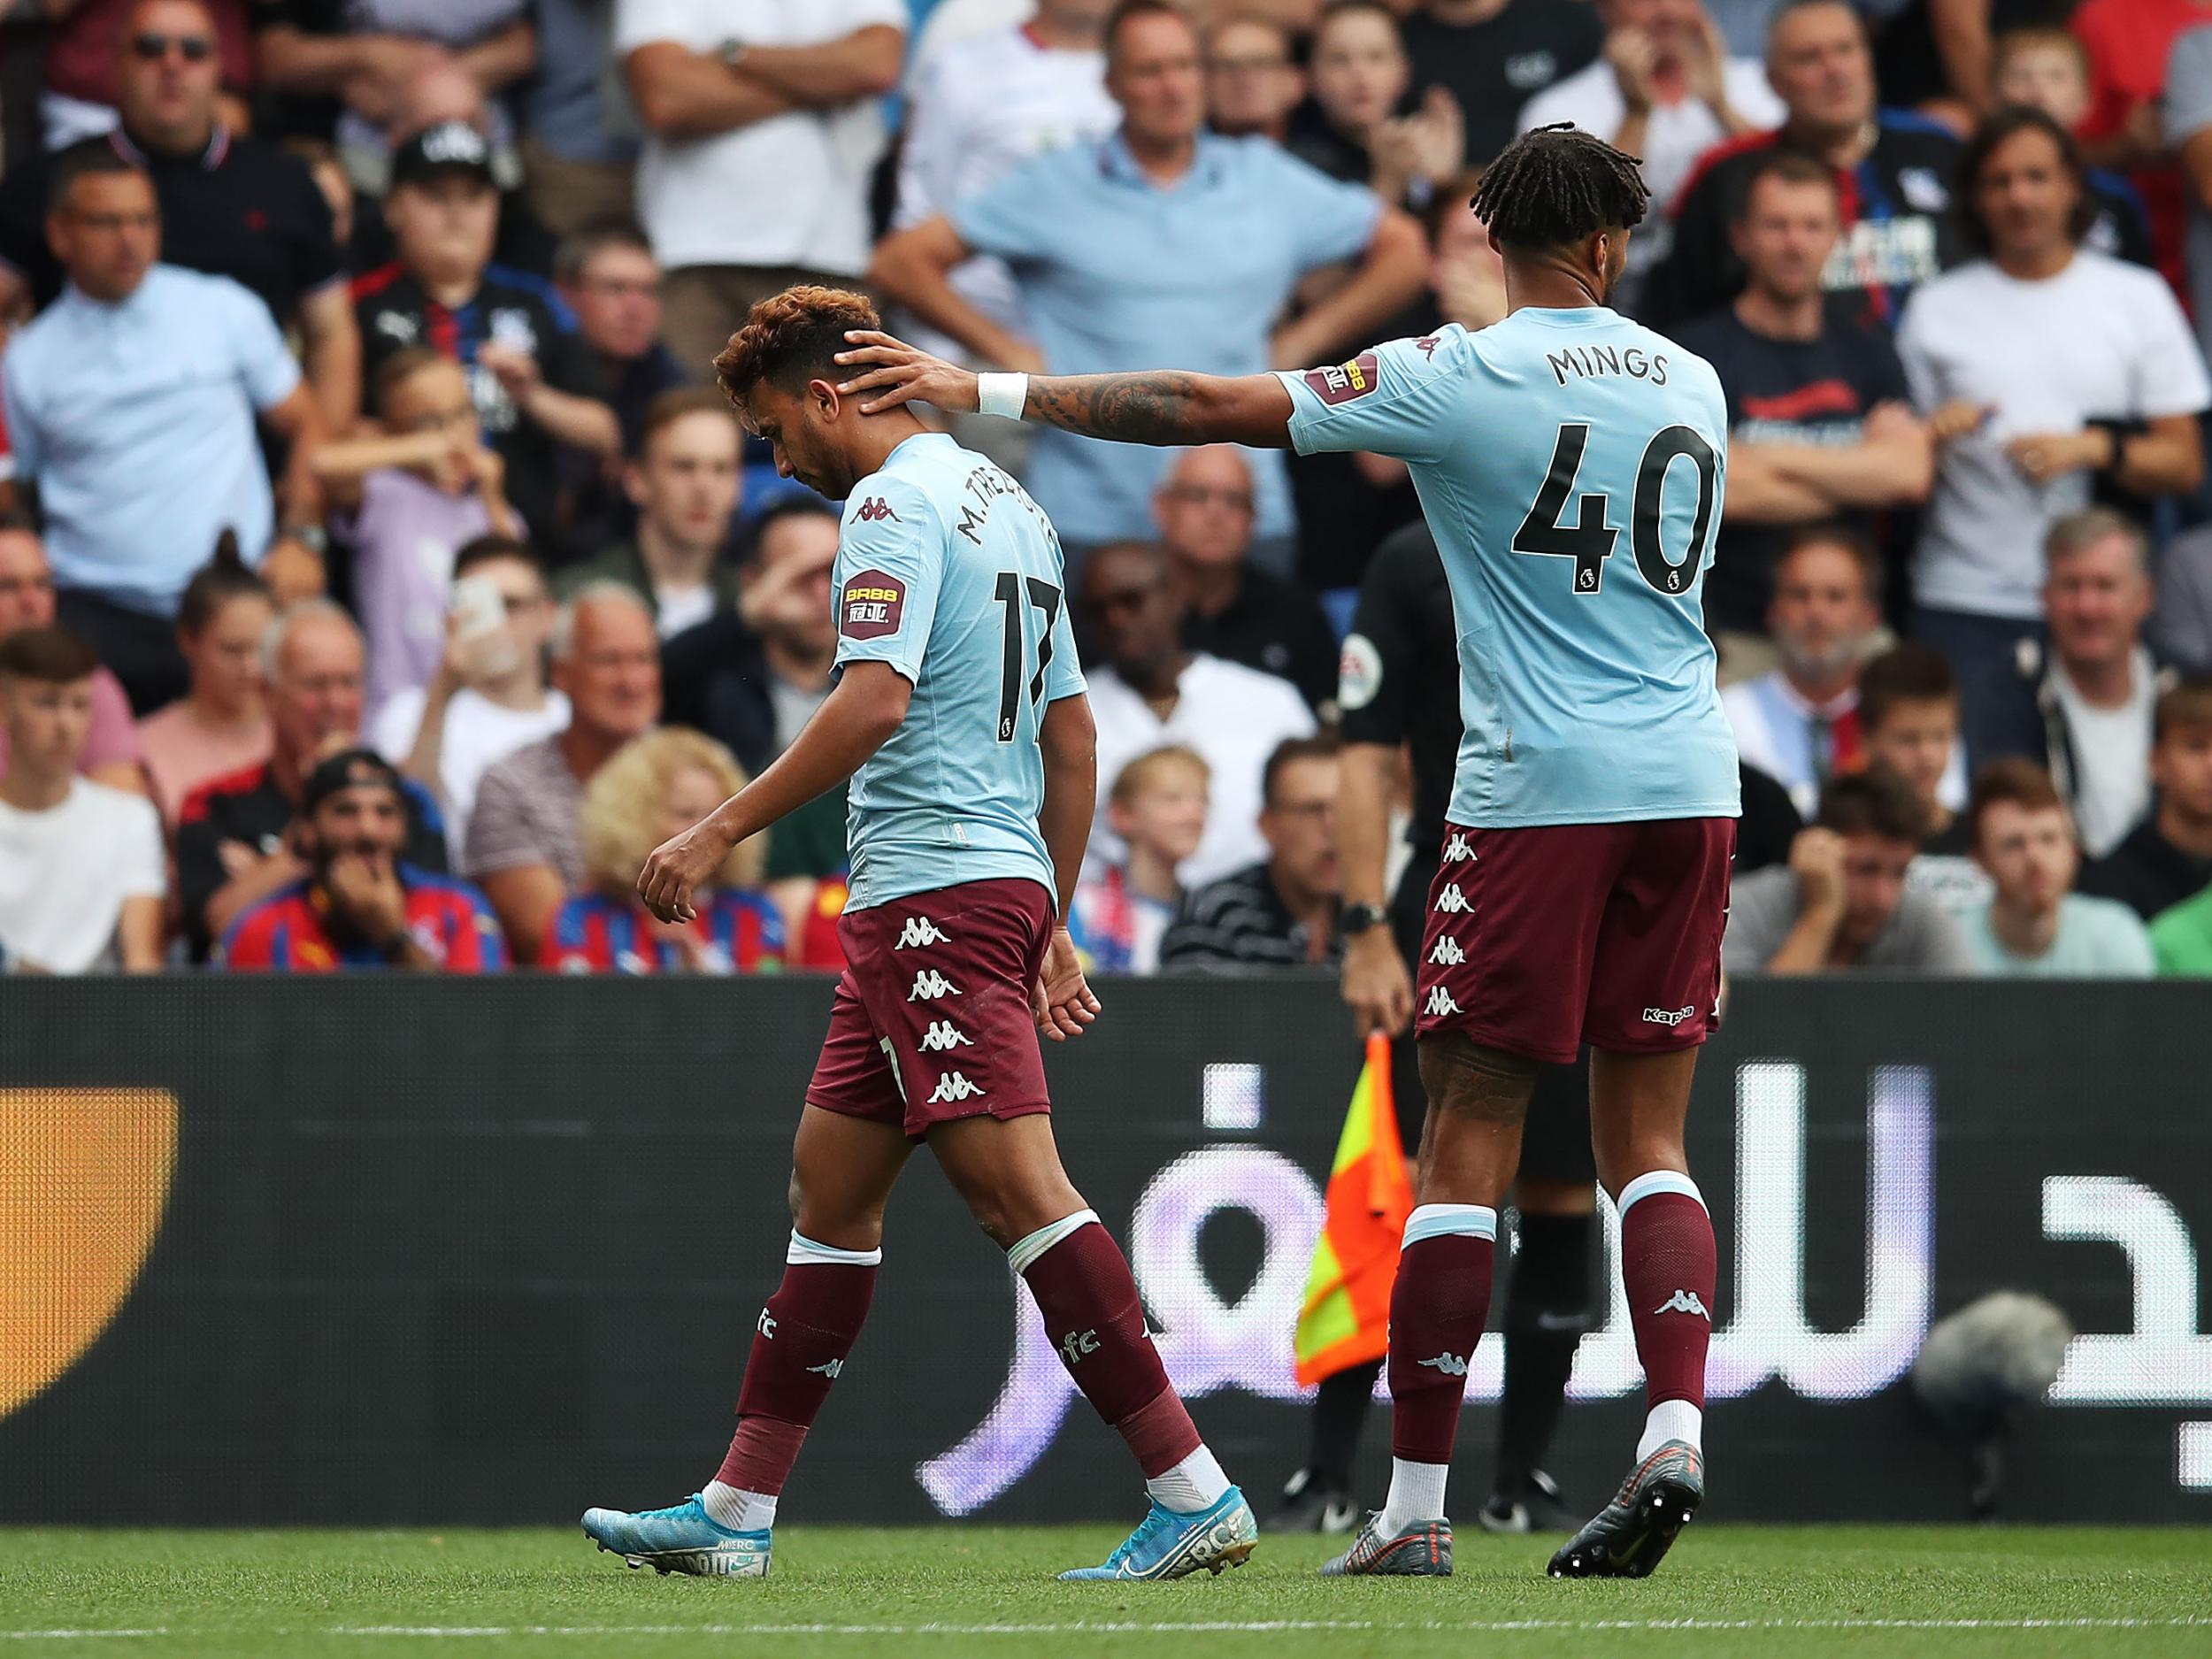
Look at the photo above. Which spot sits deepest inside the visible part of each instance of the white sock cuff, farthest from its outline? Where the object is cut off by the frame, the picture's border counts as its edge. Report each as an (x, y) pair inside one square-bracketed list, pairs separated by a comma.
[(1026, 1250), (1659, 1181), (1437, 1221), (805, 1252)]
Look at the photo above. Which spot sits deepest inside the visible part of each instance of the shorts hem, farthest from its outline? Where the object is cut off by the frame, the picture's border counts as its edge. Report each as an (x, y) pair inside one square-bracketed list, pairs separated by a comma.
[(1669, 1044), (918, 1132), (1516, 1047)]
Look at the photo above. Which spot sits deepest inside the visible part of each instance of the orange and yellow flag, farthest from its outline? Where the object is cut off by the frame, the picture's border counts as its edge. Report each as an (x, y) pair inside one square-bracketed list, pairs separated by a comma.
[(1346, 1317)]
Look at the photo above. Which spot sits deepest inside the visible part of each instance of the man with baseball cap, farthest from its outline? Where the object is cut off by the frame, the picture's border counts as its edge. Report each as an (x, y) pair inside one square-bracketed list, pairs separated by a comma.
[(533, 378), (359, 906)]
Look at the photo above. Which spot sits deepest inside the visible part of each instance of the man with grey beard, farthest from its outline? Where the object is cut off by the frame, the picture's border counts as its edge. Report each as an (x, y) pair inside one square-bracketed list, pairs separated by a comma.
[(1799, 721)]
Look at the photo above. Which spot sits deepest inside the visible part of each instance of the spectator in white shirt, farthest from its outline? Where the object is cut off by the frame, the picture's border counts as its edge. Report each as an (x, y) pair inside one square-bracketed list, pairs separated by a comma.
[(488, 697), (763, 129), (1148, 692), (81, 872), (986, 104), (1798, 722), (2082, 709), (2047, 370), (1666, 90)]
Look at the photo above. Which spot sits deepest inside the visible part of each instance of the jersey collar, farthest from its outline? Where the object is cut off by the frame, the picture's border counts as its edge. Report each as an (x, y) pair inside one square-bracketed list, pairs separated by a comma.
[(218, 148)]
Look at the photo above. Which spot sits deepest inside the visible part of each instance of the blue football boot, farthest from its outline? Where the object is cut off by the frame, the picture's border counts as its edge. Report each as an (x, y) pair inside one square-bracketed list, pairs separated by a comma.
[(1166, 1545), (681, 1538)]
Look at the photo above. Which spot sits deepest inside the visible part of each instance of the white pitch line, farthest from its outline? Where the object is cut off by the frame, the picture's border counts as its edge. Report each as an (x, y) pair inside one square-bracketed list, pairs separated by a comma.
[(71, 1635), (1079, 1627)]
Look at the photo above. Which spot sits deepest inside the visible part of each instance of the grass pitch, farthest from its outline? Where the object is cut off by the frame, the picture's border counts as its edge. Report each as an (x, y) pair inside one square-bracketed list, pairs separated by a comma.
[(1769, 1592)]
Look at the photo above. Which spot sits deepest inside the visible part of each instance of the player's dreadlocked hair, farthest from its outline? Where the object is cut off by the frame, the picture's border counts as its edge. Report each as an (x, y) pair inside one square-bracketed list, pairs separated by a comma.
[(1555, 186), (791, 338)]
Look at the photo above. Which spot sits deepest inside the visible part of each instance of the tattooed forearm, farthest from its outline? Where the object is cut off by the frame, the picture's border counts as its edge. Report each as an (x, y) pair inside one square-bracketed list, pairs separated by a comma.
[(1152, 408)]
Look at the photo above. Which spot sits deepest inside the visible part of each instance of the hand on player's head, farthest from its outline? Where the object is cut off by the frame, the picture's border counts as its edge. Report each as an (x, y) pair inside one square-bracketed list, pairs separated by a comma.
[(886, 372)]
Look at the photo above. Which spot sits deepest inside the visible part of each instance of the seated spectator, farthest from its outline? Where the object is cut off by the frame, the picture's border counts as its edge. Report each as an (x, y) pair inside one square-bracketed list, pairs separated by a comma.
[(1149, 691), (488, 696), (986, 104), (687, 486), (607, 276), (1253, 80), (1494, 56), (2082, 708), (360, 903), (741, 202), (81, 873), (131, 403), (1666, 90), (580, 144), (2168, 855), (1842, 901), (110, 753), (1896, 172), (233, 834), (231, 205), (2046, 68), (2034, 926), (1280, 913), (405, 502), (1820, 419), (524, 842), (1157, 807), (1799, 721), (1232, 608), (1350, 128), (81, 93), (221, 725), (2047, 371), (1909, 724), (657, 786), (531, 377), (364, 55), (1160, 243)]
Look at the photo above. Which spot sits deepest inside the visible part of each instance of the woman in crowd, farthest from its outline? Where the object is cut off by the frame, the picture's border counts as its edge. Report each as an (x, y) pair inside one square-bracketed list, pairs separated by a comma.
[(1350, 128), (221, 724), (1158, 809), (656, 787)]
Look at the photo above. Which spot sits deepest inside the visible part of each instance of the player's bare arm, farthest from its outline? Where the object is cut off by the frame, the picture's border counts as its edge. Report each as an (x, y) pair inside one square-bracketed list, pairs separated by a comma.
[(1068, 740), (856, 719), (1159, 406)]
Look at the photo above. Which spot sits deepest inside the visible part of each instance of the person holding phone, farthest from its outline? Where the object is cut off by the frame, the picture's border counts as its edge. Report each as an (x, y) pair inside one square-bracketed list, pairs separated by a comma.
[(488, 696)]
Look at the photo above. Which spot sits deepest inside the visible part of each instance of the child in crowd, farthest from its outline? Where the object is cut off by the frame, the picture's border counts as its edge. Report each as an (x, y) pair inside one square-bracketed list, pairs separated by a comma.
[(405, 501), (221, 725), (1909, 721), (656, 787), (1158, 809)]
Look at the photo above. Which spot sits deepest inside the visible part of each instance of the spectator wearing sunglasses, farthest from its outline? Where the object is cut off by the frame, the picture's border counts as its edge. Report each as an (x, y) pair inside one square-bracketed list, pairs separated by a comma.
[(81, 95), (231, 205)]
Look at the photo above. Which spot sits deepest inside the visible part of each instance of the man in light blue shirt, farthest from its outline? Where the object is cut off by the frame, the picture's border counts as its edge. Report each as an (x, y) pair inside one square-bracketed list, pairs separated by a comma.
[(131, 402), (1162, 242), (2034, 926)]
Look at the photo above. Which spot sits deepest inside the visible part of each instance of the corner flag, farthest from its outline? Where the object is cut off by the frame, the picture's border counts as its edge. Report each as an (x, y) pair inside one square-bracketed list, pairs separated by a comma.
[(1345, 1319)]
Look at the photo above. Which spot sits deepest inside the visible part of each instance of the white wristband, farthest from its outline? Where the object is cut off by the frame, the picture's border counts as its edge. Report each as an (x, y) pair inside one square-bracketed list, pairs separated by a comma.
[(1002, 395)]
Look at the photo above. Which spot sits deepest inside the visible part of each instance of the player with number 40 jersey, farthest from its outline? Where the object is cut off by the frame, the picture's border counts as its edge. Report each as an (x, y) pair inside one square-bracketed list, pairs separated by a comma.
[(1571, 465)]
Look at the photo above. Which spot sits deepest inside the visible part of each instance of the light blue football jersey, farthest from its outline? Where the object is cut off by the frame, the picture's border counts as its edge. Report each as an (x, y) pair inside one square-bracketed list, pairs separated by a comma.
[(947, 571), (1571, 465)]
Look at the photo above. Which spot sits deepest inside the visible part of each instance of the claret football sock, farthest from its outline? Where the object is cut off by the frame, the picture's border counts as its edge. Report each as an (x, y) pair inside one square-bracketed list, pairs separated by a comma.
[(1667, 1266), (1437, 1309), (1095, 1320), (800, 1345)]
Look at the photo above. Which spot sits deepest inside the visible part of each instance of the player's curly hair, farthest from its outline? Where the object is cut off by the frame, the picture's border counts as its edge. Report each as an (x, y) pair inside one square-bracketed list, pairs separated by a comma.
[(791, 338), (1557, 185)]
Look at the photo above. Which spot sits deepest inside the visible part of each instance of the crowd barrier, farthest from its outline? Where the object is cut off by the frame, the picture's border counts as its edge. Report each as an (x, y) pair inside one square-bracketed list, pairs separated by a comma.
[(393, 1251)]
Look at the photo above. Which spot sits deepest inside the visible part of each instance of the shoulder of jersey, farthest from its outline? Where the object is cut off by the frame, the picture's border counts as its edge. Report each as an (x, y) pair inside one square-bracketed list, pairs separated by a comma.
[(886, 497)]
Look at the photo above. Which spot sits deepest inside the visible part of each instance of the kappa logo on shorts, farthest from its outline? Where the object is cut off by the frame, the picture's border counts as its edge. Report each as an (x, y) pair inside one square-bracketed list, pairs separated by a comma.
[(1685, 1301), (1457, 851), (952, 1088), (1447, 953), (929, 984), (1342, 382), (1440, 1004), (870, 605), (919, 930), (943, 1034), (1451, 900), (1668, 1017)]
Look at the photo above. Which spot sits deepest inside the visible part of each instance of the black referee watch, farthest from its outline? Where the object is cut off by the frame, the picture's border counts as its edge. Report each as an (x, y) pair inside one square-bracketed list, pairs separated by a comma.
[(1357, 919)]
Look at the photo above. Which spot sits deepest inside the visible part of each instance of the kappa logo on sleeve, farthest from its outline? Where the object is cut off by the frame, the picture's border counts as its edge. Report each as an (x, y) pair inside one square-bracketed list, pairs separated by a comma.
[(870, 605), (874, 510), (1342, 382)]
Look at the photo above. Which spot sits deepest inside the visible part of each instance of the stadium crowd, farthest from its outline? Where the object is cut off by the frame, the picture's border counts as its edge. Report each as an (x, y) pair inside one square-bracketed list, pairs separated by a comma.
[(381, 580)]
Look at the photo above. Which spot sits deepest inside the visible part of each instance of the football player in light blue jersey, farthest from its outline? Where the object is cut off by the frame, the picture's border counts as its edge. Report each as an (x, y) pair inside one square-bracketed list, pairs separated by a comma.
[(960, 717), (1570, 464)]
